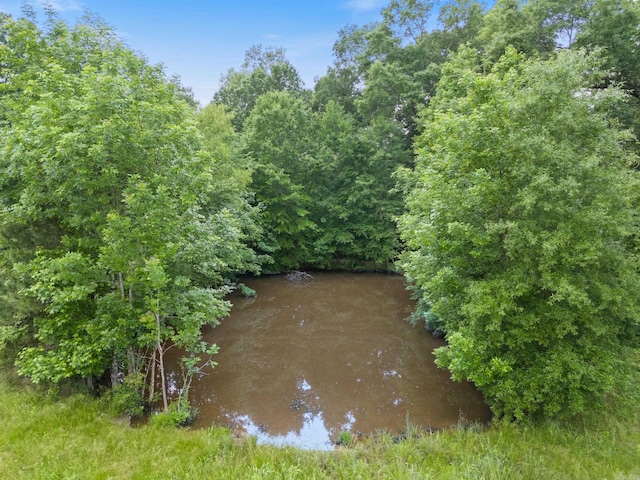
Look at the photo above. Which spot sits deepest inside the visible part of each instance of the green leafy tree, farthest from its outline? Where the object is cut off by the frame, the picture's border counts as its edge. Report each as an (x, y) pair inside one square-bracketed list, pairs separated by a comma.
[(113, 220), (519, 214), (563, 18), (231, 182), (382, 75), (461, 22), (277, 138), (613, 26), (517, 24), (408, 18), (355, 50), (324, 183), (353, 204), (165, 255), (264, 70)]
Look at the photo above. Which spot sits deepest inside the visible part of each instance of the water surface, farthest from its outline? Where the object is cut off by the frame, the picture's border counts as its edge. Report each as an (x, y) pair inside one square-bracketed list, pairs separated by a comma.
[(308, 359)]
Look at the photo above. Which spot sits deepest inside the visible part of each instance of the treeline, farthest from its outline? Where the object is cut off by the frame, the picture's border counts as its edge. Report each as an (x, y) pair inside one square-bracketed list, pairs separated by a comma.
[(492, 157)]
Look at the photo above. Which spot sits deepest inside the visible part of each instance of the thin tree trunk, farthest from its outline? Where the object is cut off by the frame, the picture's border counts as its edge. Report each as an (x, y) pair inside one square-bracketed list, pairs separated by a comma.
[(115, 371), (152, 382), (133, 364), (165, 404), (89, 382), (115, 366), (161, 365), (121, 283)]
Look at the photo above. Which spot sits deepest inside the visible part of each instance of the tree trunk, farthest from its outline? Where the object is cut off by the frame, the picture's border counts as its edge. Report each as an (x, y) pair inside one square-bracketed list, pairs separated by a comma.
[(165, 403), (133, 362), (115, 371), (121, 284), (89, 383), (152, 382), (160, 349)]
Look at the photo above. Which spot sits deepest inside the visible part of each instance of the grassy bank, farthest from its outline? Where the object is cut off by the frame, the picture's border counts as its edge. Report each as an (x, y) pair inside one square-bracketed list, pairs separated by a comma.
[(72, 438)]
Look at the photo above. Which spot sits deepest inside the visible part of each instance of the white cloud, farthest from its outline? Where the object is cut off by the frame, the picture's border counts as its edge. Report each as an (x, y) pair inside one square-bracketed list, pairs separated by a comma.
[(364, 5), (62, 5)]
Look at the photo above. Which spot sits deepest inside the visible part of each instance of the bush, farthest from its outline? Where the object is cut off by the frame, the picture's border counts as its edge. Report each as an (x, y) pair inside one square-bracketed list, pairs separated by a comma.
[(177, 416), (127, 396)]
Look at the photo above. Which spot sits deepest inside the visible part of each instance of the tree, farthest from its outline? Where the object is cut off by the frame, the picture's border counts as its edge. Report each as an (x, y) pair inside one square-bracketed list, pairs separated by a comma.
[(461, 22), (232, 181), (367, 106), (408, 18), (518, 24), (112, 220), (324, 184), (353, 206), (563, 18), (164, 295), (356, 49), (278, 139), (612, 27), (519, 215), (264, 70)]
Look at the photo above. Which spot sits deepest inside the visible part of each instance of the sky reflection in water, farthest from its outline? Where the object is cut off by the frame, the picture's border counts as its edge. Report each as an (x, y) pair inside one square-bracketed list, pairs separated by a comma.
[(306, 360)]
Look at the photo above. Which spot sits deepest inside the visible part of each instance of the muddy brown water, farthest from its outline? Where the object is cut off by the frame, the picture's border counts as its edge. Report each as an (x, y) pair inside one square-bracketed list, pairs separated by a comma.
[(305, 360)]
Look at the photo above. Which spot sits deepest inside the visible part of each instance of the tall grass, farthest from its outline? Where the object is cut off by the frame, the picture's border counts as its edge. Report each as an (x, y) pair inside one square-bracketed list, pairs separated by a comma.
[(73, 438)]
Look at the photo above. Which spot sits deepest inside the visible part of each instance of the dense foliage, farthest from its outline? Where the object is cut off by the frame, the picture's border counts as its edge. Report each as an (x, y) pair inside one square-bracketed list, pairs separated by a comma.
[(488, 150), (114, 226), (520, 210)]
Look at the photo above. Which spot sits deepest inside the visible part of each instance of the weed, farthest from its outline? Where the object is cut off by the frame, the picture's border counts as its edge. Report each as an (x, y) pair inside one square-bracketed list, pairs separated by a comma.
[(345, 438), (72, 437)]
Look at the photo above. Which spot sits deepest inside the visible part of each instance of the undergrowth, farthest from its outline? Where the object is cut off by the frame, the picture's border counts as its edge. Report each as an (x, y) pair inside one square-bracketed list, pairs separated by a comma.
[(43, 436)]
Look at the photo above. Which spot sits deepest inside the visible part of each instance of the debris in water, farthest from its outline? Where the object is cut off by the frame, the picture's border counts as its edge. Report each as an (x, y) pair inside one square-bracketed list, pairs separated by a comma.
[(298, 276), (297, 404)]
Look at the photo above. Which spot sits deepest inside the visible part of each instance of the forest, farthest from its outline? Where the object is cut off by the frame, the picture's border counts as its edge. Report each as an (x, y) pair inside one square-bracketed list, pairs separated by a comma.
[(492, 159)]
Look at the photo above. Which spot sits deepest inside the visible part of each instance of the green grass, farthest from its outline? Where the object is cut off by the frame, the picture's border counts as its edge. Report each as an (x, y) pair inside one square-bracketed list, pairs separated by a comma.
[(73, 438)]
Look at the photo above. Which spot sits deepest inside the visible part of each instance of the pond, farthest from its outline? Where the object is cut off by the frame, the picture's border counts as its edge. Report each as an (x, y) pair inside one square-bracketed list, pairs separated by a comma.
[(310, 358)]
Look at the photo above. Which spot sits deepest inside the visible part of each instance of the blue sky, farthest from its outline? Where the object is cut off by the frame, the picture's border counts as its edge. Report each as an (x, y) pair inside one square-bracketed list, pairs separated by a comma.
[(200, 40)]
